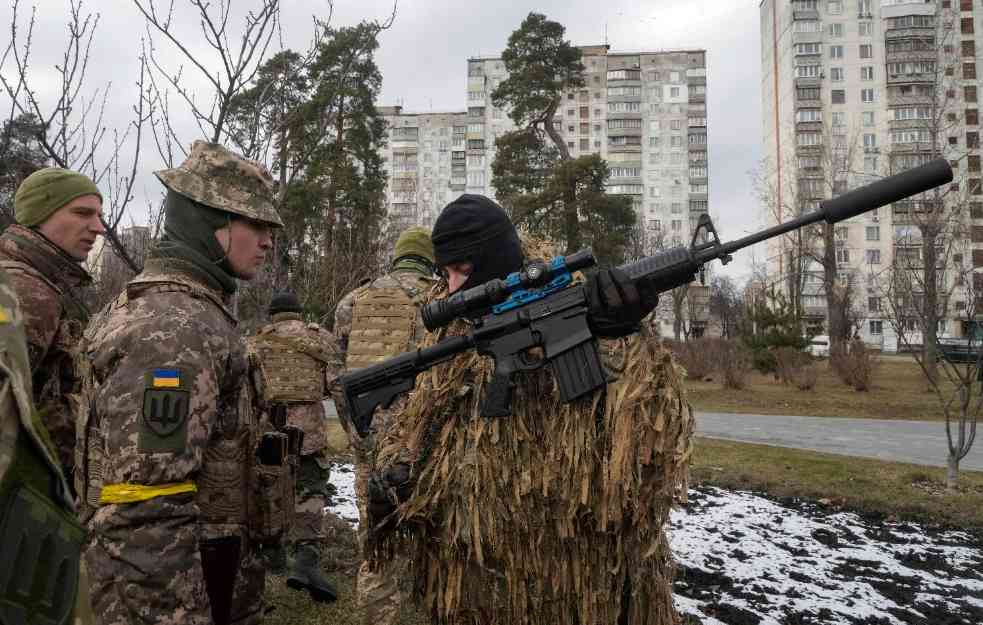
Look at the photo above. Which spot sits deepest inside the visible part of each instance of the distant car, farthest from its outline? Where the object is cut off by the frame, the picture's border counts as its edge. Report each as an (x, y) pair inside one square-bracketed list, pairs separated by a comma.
[(818, 346)]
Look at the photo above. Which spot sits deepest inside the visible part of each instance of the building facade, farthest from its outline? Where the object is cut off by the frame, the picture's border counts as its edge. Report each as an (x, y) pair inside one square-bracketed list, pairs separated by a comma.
[(853, 90), (644, 113)]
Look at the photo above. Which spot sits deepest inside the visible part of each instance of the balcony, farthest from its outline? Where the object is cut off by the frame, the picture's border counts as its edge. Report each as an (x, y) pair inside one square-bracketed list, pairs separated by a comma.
[(805, 14)]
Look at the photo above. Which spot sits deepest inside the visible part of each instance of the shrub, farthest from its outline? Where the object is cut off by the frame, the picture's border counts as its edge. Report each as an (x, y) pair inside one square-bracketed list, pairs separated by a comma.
[(854, 364), (735, 364), (804, 377), (763, 360), (698, 356)]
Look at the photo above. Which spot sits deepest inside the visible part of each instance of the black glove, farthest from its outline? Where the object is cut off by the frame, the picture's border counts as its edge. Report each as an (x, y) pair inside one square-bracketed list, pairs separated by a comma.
[(616, 305), (386, 490)]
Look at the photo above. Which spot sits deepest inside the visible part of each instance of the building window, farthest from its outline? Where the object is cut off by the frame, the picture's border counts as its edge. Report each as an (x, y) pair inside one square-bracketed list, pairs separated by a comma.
[(808, 138), (873, 233), (865, 29), (842, 255), (808, 115), (876, 327), (867, 96), (808, 48), (868, 118), (866, 51), (836, 52), (966, 26), (834, 7), (807, 26), (863, 10), (870, 140), (873, 257), (836, 29), (969, 70), (867, 72), (836, 74), (969, 48), (673, 92), (838, 96), (972, 117)]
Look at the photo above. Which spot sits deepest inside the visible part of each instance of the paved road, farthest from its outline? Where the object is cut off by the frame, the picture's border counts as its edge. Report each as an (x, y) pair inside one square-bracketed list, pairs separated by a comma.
[(918, 442)]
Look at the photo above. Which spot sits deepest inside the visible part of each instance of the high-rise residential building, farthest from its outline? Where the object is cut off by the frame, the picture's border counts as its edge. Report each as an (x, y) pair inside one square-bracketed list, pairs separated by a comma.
[(853, 90), (643, 112)]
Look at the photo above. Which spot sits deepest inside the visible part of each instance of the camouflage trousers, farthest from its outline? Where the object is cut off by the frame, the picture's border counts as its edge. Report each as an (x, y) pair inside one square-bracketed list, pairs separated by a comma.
[(377, 589), (311, 497), (145, 565)]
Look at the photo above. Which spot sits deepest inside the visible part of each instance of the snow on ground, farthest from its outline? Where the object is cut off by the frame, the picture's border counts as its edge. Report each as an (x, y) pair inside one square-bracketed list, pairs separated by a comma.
[(744, 559)]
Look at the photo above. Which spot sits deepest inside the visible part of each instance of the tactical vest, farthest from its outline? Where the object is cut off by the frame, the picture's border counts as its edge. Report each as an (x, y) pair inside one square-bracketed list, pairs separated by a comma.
[(291, 368), (40, 538), (384, 324)]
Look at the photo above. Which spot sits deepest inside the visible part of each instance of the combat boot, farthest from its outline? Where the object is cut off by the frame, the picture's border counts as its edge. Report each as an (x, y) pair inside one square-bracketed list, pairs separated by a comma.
[(306, 574)]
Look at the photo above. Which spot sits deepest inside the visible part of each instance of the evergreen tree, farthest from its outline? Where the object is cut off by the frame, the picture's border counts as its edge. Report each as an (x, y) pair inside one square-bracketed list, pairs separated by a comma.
[(546, 190)]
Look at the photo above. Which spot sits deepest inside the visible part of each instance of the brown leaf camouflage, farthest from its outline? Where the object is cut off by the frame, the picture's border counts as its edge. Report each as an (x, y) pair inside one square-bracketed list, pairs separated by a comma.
[(144, 557), (542, 516), (48, 284)]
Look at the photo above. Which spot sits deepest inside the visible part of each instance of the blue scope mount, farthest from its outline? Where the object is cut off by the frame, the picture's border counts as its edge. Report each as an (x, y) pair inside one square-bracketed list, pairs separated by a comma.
[(536, 280)]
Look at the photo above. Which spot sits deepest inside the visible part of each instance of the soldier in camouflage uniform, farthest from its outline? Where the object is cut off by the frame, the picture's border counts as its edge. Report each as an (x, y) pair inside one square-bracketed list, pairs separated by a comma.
[(58, 219), (174, 496), (372, 323), (295, 362), (36, 508)]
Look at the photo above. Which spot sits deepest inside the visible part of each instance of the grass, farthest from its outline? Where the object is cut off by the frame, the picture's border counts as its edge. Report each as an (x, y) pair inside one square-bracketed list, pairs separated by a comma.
[(871, 487), (899, 392)]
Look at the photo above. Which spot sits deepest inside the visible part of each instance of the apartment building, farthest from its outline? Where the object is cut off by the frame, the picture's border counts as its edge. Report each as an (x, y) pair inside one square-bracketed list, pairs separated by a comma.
[(849, 92), (643, 112)]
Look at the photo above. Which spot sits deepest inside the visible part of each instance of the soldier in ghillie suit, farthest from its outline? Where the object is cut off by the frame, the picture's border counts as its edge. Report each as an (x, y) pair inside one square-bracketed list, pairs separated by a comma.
[(179, 484), (58, 220), (35, 502), (555, 514), (372, 323), (294, 362)]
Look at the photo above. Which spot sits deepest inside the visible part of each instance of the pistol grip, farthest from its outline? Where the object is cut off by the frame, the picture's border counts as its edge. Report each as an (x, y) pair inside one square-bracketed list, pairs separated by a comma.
[(498, 397)]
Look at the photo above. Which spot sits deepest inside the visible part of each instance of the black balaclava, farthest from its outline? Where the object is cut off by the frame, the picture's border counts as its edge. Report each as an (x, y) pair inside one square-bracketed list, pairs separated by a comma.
[(285, 301), (475, 229), (189, 236)]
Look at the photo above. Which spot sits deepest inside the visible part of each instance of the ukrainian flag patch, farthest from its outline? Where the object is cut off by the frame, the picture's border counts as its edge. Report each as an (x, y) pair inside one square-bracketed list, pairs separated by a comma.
[(165, 378)]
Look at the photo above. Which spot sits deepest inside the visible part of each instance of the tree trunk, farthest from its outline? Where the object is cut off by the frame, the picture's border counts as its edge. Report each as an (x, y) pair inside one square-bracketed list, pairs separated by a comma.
[(930, 301), (952, 472), (834, 307)]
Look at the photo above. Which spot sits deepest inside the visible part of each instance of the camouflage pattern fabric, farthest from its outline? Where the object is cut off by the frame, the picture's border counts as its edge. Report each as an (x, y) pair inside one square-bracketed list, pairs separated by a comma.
[(555, 514), (311, 488), (48, 283), (378, 584), (166, 335), (18, 429), (221, 179)]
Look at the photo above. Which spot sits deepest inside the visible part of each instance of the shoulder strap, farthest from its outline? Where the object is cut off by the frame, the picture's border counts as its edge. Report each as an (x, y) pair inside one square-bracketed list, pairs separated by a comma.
[(135, 289)]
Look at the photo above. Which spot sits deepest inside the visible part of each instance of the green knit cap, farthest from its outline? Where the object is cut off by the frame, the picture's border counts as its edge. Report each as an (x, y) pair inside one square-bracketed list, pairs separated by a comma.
[(46, 190), (414, 242)]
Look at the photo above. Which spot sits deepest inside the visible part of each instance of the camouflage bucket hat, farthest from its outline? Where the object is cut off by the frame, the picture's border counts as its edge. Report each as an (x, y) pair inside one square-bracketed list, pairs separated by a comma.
[(224, 180)]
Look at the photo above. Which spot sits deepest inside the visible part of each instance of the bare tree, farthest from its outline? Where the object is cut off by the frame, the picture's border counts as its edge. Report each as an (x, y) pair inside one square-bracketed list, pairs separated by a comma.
[(72, 130)]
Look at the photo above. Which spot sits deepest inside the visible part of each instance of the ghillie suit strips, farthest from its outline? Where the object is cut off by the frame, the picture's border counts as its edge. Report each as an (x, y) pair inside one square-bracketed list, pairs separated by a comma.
[(554, 515)]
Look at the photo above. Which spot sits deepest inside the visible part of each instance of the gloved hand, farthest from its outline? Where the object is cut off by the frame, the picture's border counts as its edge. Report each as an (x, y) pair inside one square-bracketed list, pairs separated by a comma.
[(386, 490), (616, 305)]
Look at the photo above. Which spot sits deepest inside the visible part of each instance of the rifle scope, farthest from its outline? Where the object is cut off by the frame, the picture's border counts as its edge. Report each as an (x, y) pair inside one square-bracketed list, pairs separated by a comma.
[(479, 299)]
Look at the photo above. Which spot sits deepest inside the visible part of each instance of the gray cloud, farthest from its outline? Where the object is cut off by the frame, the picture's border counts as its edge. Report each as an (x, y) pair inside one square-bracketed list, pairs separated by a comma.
[(423, 62)]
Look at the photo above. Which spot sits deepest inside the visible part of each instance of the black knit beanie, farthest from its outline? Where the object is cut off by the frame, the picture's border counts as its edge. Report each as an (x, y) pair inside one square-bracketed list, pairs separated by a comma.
[(475, 229), (285, 301)]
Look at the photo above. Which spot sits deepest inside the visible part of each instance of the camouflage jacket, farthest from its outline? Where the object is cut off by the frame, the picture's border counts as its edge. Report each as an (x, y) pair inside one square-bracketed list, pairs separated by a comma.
[(49, 283), (416, 286), (309, 416), (165, 384), (22, 436)]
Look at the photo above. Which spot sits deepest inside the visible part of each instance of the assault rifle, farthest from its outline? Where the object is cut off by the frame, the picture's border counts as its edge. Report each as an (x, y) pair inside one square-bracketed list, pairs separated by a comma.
[(540, 307)]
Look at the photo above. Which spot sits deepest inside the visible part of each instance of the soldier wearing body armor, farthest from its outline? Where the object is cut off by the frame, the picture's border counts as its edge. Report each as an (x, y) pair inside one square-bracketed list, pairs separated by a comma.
[(372, 323), (179, 482), (37, 515), (294, 362), (58, 216)]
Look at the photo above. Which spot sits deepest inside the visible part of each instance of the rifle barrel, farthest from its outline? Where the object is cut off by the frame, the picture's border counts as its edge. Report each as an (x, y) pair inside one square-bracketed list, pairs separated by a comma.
[(866, 198)]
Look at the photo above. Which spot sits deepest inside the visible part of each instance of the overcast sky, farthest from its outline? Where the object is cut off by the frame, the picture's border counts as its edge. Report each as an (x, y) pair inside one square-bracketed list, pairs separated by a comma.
[(423, 63)]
